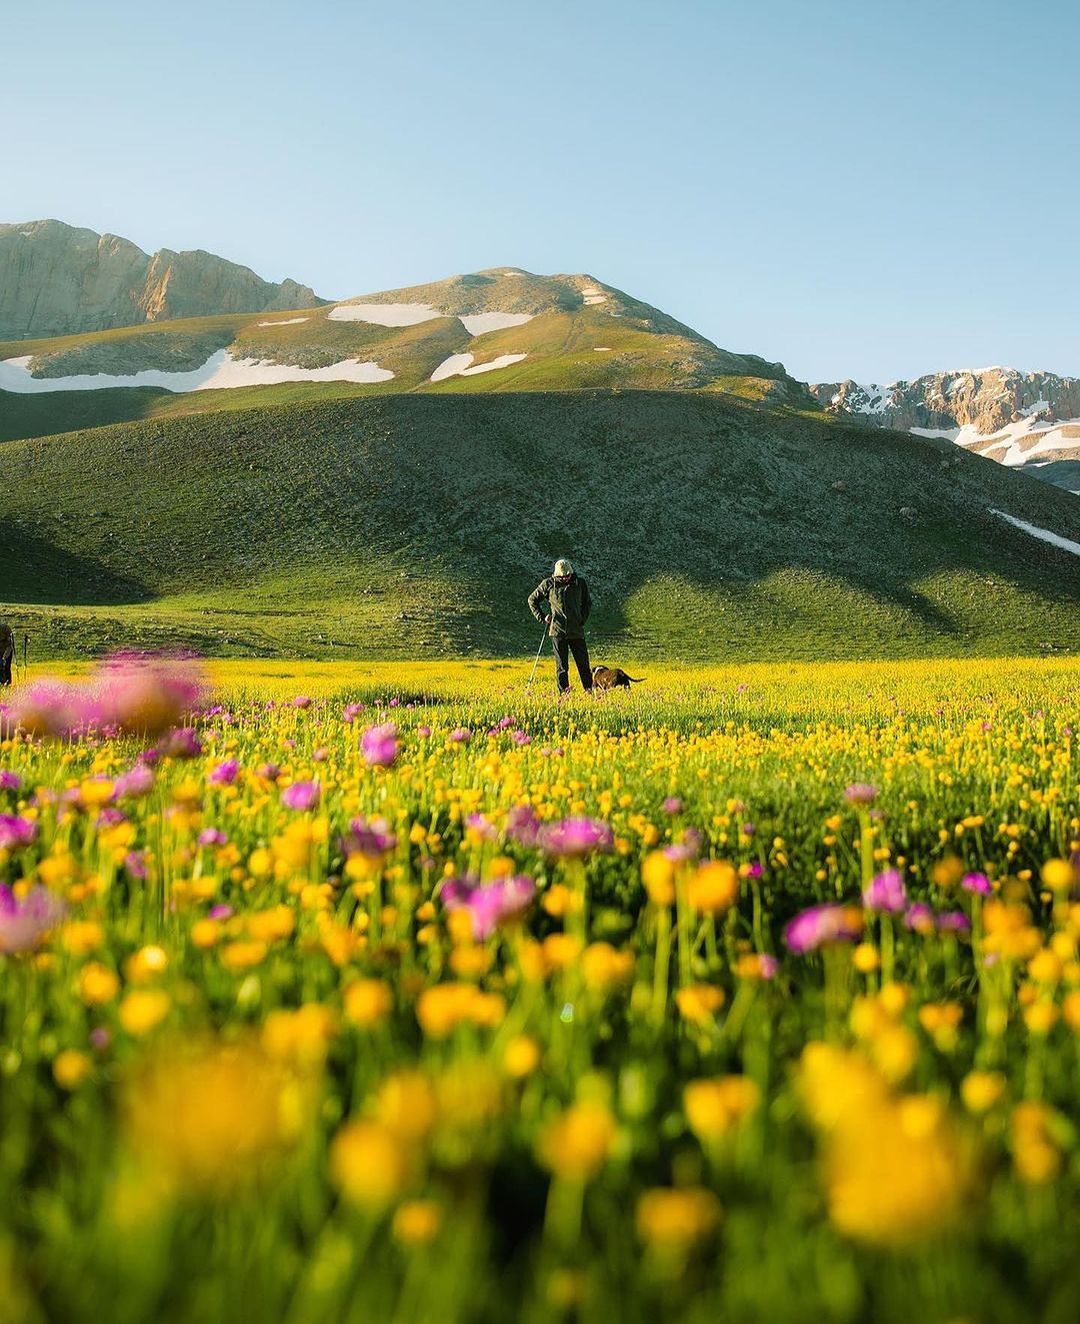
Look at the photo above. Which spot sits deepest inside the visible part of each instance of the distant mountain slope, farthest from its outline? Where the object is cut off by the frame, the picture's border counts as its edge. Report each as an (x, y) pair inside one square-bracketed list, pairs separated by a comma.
[(57, 280), (415, 525), (1028, 420), (498, 330)]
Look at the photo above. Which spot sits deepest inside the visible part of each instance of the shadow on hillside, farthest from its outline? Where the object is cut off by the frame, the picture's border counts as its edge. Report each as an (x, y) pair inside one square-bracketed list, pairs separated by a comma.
[(34, 569)]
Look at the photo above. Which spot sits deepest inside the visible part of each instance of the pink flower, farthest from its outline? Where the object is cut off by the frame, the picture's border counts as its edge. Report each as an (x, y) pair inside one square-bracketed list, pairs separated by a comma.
[(212, 837), (16, 832), (182, 743), (24, 921), (146, 694), (976, 882), (461, 735), (268, 772), (225, 774), (379, 745), (576, 837), (135, 864), (886, 893), (820, 925), (135, 783), (920, 918), (301, 701), (352, 712), (522, 825), (491, 905), (300, 795), (10, 781), (860, 793), (672, 805), (370, 837), (768, 966)]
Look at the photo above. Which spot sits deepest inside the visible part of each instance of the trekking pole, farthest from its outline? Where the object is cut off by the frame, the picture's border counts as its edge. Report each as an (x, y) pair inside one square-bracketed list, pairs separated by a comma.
[(536, 660)]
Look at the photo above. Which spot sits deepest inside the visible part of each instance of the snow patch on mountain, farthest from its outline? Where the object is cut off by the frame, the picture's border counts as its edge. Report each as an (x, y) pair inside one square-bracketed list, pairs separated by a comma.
[(1045, 535), (384, 314), (285, 321), (220, 372), (479, 324), (457, 365)]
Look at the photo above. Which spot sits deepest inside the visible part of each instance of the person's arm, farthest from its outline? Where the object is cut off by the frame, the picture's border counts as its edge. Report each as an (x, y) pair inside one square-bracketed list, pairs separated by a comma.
[(586, 601), (538, 595)]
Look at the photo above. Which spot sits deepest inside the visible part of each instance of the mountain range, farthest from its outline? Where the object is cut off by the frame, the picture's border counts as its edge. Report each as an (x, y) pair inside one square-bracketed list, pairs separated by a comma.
[(1026, 420), (389, 474), (56, 280)]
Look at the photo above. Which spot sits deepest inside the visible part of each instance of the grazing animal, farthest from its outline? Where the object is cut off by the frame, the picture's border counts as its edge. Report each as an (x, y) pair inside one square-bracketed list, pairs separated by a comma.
[(613, 678)]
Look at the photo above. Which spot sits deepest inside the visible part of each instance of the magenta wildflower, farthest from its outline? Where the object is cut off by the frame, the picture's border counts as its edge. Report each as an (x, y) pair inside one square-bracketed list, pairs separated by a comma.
[(489, 905), (820, 925), (954, 921), (100, 1037), (379, 745), (225, 774), (522, 825), (371, 837), (16, 832), (220, 911), (25, 920), (672, 805), (460, 735), (352, 712), (9, 781), (268, 772), (212, 837), (482, 826), (300, 795), (576, 837), (976, 882), (423, 730), (135, 864), (182, 743), (320, 755), (135, 783), (920, 918), (886, 893), (768, 966), (301, 701)]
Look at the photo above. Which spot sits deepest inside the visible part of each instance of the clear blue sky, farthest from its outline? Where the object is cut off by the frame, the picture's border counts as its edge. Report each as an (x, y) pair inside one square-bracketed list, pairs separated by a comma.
[(857, 188)]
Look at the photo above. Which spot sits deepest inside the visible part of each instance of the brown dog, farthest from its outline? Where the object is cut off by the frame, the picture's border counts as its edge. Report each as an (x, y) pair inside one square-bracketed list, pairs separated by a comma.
[(613, 678)]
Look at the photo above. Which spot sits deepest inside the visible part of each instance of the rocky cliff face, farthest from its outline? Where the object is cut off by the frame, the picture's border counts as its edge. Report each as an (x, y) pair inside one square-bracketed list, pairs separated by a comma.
[(58, 280), (1028, 420)]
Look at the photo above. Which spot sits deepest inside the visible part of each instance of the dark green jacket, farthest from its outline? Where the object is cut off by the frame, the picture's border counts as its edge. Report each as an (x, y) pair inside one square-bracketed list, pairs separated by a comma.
[(569, 605), (7, 641)]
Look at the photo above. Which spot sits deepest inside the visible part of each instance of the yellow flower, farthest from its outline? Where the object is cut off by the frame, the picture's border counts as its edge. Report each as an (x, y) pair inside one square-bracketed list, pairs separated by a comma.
[(205, 933), (70, 1068), (981, 1090), (836, 1081), (97, 984), (521, 1056), (368, 1002), (243, 955), (1041, 1017), (143, 1009), (714, 1107), (210, 1117), (898, 1172), (658, 876), (146, 964), (301, 1037), (676, 1219), (81, 937), (271, 925), (417, 1222), (576, 1144), (1059, 875), (1036, 1155), (699, 1002), (713, 887), (560, 950), (865, 958), (603, 967), (406, 1104), (369, 1165)]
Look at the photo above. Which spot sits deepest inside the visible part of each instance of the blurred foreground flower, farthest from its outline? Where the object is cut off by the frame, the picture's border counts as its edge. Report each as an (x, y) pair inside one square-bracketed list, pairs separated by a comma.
[(214, 1118), (25, 920), (820, 925), (128, 693), (575, 837), (489, 905)]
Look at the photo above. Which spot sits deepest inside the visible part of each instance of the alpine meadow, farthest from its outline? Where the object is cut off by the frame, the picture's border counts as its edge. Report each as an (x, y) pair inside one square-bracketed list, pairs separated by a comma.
[(512, 811)]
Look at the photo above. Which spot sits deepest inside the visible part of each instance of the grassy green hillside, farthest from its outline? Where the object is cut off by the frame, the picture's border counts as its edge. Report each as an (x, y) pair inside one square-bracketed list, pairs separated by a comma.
[(415, 525)]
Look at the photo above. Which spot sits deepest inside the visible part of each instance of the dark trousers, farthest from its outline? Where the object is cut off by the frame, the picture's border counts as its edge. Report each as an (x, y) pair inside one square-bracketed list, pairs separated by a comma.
[(5, 670), (562, 648)]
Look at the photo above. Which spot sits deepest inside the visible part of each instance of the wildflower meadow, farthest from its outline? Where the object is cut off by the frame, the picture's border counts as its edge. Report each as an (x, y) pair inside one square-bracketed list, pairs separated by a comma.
[(397, 993)]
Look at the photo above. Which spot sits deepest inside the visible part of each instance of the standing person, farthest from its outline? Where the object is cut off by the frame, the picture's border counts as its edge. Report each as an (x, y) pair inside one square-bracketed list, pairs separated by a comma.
[(7, 652), (569, 605)]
